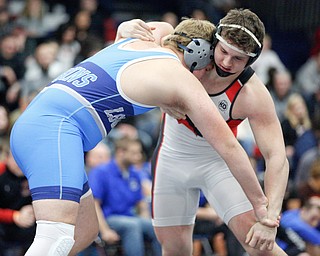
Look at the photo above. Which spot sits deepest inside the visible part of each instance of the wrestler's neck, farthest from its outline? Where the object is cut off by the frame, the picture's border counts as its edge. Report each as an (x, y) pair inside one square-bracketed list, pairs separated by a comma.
[(214, 83), (175, 51)]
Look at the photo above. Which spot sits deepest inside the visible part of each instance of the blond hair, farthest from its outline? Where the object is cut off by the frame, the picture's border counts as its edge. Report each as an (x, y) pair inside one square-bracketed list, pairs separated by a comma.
[(188, 29), (294, 121)]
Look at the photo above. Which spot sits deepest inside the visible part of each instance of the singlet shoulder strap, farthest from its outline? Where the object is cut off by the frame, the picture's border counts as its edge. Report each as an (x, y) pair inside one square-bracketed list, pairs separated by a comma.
[(246, 75)]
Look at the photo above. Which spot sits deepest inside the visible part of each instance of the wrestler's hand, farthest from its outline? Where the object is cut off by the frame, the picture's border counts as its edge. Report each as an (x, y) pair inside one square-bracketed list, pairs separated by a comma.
[(174, 113), (261, 237), (262, 217), (135, 28)]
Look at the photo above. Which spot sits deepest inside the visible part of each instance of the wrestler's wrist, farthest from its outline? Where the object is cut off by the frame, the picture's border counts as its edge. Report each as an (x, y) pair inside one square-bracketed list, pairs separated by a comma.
[(274, 216), (261, 203)]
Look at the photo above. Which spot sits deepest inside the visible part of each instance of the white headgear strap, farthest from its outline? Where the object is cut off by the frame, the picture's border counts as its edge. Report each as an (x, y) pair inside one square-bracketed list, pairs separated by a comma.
[(251, 54), (220, 38)]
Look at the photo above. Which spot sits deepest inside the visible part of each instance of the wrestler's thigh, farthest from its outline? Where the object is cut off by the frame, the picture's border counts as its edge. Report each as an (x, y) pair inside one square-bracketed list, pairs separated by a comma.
[(46, 209), (51, 153), (174, 201), (225, 194)]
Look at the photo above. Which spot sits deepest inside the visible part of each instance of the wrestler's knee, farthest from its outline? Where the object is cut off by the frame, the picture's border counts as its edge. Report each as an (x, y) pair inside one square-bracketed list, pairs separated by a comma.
[(241, 224), (52, 238), (175, 241)]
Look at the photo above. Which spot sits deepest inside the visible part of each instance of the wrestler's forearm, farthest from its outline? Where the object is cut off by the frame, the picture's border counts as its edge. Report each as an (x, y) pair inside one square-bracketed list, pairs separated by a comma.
[(275, 184), (249, 183)]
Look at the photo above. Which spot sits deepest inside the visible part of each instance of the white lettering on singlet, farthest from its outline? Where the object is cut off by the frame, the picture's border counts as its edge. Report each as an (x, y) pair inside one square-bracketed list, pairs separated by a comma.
[(115, 115), (77, 76)]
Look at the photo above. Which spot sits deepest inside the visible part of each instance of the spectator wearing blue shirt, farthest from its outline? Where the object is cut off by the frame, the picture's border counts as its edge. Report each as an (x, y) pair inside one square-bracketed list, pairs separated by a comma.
[(122, 211), (305, 222)]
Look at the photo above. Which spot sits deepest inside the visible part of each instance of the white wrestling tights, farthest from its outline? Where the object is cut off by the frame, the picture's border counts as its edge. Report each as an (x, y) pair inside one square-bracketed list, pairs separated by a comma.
[(52, 239)]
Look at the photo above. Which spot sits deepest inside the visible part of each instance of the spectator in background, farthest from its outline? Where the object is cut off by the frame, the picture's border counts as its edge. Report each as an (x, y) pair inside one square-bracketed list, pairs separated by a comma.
[(306, 180), (171, 18), (199, 14), (7, 23), (38, 21), (291, 243), (305, 223), (311, 187), (96, 16), (297, 131), (25, 44), (307, 159), (82, 21), (267, 59), (140, 157), (91, 45), (17, 221), (42, 68), (140, 128), (281, 87), (100, 154), (308, 76), (23, 103), (120, 205), (69, 47), (313, 103), (12, 68)]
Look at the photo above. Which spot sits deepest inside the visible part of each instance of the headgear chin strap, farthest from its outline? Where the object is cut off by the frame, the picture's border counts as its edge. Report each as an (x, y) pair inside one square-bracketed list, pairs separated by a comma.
[(252, 55), (198, 53)]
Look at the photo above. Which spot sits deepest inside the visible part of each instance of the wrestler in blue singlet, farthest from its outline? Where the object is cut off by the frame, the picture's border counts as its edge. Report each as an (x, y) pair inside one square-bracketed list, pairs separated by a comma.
[(70, 116)]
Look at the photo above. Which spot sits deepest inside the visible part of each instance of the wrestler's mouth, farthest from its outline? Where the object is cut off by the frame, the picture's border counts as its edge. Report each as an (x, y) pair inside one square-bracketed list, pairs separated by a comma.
[(225, 69)]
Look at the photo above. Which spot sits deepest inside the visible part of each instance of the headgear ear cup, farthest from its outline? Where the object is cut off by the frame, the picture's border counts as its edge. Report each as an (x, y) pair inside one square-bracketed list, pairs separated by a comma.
[(253, 59), (198, 53)]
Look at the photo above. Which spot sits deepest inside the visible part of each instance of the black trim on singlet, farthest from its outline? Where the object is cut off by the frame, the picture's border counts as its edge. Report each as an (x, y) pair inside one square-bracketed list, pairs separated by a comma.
[(154, 158), (244, 77), (155, 154)]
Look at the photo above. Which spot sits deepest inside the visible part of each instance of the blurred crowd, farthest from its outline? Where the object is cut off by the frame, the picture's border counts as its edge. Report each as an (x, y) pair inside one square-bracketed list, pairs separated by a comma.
[(40, 39)]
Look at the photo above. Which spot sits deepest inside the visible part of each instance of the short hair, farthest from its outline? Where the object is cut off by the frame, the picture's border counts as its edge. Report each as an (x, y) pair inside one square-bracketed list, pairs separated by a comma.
[(188, 29), (238, 37)]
